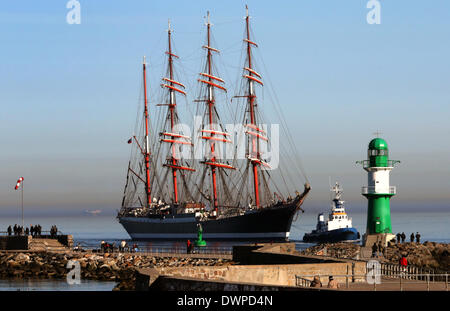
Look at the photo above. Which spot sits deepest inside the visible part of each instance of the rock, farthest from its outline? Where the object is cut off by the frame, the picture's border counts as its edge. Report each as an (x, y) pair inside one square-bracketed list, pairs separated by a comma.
[(22, 257), (118, 267)]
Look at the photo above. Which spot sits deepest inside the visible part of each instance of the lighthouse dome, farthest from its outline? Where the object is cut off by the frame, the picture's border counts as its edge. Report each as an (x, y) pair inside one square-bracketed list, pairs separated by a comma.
[(378, 144)]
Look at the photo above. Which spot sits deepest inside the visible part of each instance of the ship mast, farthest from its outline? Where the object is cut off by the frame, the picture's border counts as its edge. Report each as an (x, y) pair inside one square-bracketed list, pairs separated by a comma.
[(147, 147), (174, 138), (136, 168), (212, 134), (172, 105), (252, 76)]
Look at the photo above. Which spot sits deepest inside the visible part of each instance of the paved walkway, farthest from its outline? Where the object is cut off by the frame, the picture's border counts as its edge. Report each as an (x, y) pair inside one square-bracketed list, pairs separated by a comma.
[(393, 284)]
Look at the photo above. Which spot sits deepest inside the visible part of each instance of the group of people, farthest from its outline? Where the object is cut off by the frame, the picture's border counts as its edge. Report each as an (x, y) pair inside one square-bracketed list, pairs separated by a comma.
[(19, 230), (123, 247), (53, 231), (107, 247), (378, 249), (401, 237), (331, 282)]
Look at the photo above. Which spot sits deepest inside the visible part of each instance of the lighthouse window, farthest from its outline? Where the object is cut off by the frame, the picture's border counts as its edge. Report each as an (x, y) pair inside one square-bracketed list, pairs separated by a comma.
[(377, 152)]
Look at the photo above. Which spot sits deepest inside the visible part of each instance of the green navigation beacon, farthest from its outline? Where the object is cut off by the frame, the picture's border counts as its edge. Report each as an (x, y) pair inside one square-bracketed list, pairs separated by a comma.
[(378, 191), (200, 241)]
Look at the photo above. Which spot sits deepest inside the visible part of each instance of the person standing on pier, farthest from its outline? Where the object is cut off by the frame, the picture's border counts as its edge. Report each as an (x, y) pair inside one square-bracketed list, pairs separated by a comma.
[(316, 282), (188, 246), (123, 244), (412, 237), (417, 237), (403, 263), (399, 236), (375, 250), (102, 246), (332, 283), (380, 249), (9, 230), (403, 237)]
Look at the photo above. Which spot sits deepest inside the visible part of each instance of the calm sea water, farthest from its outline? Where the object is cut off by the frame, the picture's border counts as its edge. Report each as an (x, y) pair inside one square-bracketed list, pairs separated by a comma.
[(54, 285), (90, 230)]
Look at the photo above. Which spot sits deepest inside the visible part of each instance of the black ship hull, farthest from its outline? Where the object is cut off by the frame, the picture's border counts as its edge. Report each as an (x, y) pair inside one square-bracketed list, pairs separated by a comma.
[(272, 223)]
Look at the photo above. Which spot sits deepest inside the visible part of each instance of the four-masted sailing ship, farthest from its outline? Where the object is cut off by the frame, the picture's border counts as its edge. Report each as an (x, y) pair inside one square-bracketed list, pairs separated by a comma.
[(170, 189)]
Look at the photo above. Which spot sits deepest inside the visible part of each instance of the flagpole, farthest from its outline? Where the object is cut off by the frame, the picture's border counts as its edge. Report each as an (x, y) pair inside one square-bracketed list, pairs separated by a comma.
[(22, 205)]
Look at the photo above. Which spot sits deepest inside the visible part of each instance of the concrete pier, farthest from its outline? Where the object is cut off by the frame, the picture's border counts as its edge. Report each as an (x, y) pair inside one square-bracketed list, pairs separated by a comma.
[(58, 243), (258, 266)]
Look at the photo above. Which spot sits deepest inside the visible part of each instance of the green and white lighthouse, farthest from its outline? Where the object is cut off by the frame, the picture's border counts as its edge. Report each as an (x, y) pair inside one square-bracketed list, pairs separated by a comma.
[(378, 190)]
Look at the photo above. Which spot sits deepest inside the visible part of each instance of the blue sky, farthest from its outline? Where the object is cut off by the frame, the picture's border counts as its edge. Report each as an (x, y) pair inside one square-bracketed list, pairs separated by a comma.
[(68, 93)]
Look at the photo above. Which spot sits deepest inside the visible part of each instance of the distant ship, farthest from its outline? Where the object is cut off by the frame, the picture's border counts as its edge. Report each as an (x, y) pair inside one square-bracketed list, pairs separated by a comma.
[(166, 195), (338, 227), (93, 212)]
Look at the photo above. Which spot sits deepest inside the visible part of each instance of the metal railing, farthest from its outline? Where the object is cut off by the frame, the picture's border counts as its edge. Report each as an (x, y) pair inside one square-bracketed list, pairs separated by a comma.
[(183, 250), (401, 281), (44, 234), (412, 273), (164, 250), (371, 190), (306, 280), (367, 164)]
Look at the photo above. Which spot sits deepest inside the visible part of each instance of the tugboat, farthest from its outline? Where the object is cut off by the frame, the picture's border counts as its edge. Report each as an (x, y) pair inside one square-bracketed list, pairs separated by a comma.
[(338, 227)]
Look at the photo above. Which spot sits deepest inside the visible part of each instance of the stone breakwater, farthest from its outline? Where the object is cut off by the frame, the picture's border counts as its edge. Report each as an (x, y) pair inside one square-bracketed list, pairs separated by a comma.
[(430, 255), (117, 267), (335, 250)]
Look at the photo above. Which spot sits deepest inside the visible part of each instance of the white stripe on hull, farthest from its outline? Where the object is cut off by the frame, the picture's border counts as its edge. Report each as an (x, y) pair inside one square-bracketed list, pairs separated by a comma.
[(256, 235), (160, 220)]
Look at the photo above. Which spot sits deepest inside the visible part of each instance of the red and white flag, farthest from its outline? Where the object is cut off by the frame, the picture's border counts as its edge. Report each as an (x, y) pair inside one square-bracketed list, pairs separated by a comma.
[(19, 181)]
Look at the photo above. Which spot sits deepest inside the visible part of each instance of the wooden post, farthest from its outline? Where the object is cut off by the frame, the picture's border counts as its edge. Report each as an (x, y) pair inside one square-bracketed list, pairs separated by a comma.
[(428, 282), (353, 272), (401, 285), (446, 282), (346, 278)]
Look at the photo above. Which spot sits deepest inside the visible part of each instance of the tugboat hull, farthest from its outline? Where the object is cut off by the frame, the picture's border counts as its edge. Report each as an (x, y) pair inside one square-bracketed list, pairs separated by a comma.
[(332, 236), (273, 223)]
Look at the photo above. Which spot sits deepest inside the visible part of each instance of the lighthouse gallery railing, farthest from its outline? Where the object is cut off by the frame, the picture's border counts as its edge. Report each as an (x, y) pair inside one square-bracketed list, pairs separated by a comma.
[(371, 190)]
